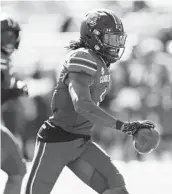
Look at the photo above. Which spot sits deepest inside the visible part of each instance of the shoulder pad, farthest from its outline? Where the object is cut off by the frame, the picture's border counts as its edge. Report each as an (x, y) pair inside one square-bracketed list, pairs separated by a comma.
[(81, 60)]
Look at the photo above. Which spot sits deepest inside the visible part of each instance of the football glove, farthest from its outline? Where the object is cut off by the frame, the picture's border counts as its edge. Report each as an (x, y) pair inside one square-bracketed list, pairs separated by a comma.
[(130, 128), (23, 87), (20, 86)]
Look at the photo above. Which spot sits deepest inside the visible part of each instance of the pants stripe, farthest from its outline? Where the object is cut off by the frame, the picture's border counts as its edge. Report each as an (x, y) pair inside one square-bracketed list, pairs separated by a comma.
[(36, 161)]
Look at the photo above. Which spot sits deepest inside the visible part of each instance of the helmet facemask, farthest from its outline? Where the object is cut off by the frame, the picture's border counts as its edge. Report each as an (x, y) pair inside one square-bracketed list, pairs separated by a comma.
[(10, 34), (9, 40), (111, 45)]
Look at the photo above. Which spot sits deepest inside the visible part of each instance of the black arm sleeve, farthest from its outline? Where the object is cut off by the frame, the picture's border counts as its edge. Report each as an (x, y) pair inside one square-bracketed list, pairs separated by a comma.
[(9, 94)]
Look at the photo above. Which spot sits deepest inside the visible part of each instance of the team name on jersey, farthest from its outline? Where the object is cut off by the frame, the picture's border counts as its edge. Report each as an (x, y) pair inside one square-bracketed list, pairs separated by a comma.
[(104, 78)]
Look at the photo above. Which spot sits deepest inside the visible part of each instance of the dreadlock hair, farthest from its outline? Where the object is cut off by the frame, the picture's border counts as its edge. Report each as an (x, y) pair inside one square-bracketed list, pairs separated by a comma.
[(75, 44), (82, 43)]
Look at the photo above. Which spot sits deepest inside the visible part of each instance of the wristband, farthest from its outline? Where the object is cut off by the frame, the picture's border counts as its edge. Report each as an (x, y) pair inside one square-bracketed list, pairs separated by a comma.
[(119, 124)]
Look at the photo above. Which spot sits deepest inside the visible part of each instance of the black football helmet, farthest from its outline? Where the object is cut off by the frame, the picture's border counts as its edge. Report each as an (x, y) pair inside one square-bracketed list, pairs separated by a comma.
[(10, 34), (103, 31)]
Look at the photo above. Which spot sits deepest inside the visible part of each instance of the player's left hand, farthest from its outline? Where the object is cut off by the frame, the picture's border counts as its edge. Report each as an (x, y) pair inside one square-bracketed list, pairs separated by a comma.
[(23, 87), (20, 86), (132, 127)]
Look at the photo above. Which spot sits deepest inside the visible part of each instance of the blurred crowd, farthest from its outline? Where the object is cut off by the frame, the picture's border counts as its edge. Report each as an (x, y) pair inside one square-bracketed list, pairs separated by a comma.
[(141, 81)]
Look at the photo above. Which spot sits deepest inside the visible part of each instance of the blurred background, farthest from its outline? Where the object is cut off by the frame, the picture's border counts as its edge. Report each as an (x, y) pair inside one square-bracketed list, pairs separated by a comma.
[(141, 87)]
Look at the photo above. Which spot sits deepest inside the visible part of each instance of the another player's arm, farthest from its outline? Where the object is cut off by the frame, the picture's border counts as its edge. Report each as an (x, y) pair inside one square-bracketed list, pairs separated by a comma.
[(9, 93), (78, 84)]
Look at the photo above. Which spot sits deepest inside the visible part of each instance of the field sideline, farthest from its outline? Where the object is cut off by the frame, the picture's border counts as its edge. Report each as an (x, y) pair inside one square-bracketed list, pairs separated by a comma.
[(141, 178)]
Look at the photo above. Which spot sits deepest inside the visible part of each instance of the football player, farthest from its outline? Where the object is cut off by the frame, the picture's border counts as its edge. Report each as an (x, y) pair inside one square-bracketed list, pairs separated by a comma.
[(11, 160), (65, 138)]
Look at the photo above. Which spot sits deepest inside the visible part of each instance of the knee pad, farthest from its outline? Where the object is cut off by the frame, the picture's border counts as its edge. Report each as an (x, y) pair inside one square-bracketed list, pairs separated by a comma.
[(98, 182), (117, 190), (115, 180), (101, 184)]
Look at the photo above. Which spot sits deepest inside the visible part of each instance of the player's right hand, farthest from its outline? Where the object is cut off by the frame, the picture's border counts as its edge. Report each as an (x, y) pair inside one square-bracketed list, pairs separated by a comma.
[(130, 128)]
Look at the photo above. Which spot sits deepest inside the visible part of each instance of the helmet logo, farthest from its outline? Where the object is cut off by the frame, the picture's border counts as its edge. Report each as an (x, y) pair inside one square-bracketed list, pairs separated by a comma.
[(92, 19)]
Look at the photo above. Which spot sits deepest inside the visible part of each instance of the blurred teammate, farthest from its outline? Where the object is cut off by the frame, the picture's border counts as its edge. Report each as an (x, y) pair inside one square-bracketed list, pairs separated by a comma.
[(65, 138), (11, 160)]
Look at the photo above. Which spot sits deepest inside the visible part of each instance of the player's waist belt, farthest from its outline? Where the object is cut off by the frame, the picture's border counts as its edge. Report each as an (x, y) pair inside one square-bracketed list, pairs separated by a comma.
[(52, 133)]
